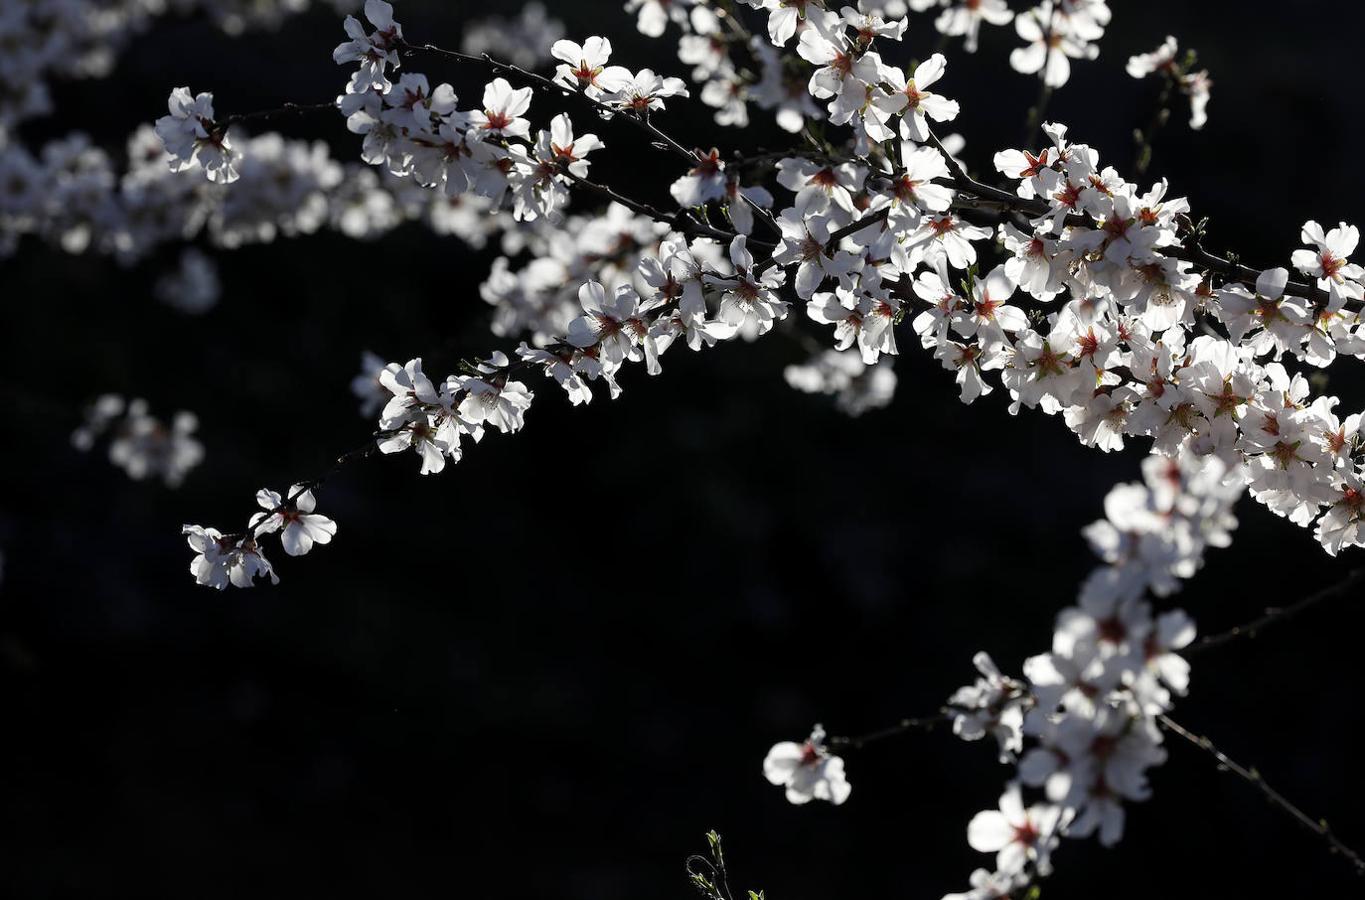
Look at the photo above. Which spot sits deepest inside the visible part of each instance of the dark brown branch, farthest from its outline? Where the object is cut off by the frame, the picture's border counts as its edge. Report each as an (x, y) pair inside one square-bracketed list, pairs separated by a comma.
[(282, 110), (1275, 616), (837, 236), (904, 726), (678, 221), (659, 139), (1274, 797)]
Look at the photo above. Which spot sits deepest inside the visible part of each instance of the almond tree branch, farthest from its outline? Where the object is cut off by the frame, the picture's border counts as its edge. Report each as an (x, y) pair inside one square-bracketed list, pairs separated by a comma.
[(1276, 615), (679, 221), (979, 196), (1274, 797), (835, 237), (283, 109), (904, 726), (659, 139), (1246, 630)]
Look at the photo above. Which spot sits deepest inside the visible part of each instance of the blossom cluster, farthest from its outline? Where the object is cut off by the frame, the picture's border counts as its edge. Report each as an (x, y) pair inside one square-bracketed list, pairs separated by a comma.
[(1080, 727), (1116, 360), (239, 559), (1088, 710), (736, 68), (74, 196), (139, 443), (1123, 357), (413, 129)]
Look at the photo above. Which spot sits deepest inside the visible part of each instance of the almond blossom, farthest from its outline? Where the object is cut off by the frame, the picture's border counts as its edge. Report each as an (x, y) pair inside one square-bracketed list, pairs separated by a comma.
[(921, 104), (502, 110), (585, 66), (190, 134), (748, 299), (645, 92), (300, 527), (1330, 261), (1019, 835), (375, 51), (807, 770)]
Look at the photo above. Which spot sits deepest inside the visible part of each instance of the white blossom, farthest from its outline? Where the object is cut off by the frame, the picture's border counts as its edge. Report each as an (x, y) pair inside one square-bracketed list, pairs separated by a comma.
[(807, 770)]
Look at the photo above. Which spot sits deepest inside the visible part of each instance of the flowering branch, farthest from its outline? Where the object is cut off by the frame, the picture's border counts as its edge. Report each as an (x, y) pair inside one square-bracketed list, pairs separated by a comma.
[(1252, 776), (660, 140), (1249, 630), (983, 196)]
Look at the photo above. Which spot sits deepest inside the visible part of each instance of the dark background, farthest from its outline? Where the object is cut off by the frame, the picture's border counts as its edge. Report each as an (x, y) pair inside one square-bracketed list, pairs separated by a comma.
[(547, 672)]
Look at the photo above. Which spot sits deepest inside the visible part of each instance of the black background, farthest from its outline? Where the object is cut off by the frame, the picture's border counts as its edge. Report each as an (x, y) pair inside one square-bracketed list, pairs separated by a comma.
[(547, 672)]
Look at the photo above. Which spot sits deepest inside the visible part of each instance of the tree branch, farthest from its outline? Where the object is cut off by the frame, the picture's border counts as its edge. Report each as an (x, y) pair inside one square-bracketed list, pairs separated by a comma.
[(1275, 616), (904, 726), (679, 221), (659, 139), (1274, 797), (284, 109)]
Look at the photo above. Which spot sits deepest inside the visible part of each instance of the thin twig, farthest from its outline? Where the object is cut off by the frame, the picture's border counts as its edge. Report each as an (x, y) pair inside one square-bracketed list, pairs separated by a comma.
[(1275, 616), (1274, 797), (834, 239), (283, 109), (904, 726), (678, 221), (659, 139)]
